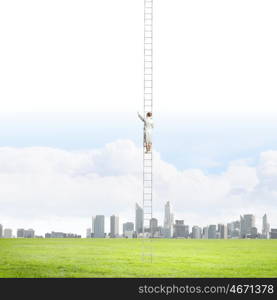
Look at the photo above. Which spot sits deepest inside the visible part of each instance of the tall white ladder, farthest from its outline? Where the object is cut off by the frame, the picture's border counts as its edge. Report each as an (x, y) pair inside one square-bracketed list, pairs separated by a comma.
[(147, 252)]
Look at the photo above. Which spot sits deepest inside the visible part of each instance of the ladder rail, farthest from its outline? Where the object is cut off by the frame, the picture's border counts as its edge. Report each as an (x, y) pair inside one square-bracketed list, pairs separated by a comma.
[(148, 107)]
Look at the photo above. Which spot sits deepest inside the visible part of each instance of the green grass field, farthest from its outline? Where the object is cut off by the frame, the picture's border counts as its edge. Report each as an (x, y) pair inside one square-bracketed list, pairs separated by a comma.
[(122, 258)]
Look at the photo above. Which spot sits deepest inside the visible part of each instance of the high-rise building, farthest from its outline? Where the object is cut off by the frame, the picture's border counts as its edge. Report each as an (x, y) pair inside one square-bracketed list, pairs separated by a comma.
[(29, 233), (139, 219), (20, 233), (128, 227), (229, 230), (254, 233), (246, 223), (92, 226), (8, 233), (222, 230), (196, 232), (205, 232), (265, 228), (153, 224), (99, 226), (114, 226), (1, 231), (233, 229), (273, 233), (212, 232), (88, 233), (180, 229), (168, 221)]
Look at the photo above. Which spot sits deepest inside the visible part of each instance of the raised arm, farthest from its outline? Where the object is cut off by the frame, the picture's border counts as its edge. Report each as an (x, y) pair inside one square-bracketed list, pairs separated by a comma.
[(141, 117)]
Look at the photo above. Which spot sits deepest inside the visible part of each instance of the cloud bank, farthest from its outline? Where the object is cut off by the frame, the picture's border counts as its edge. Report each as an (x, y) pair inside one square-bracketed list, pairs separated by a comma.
[(56, 189)]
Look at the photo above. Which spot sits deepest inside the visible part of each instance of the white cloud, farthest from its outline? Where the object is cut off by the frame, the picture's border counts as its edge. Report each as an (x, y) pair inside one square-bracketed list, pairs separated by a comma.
[(56, 189)]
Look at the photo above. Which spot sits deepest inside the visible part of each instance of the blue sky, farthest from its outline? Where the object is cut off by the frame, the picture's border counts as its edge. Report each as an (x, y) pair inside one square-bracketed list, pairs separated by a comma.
[(211, 168), (206, 142), (214, 104)]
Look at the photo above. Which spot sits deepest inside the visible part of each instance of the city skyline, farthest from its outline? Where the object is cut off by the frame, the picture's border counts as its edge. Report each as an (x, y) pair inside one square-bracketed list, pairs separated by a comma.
[(245, 226)]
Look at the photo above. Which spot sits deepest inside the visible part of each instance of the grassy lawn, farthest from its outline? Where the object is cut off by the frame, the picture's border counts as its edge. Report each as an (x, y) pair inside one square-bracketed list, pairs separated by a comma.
[(122, 258)]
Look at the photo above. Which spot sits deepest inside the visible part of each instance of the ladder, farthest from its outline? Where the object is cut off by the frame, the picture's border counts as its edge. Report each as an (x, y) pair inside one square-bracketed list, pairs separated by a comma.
[(148, 107)]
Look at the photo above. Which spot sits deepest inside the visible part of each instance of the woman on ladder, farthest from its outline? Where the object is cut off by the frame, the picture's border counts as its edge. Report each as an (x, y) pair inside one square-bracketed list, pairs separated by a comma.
[(148, 126)]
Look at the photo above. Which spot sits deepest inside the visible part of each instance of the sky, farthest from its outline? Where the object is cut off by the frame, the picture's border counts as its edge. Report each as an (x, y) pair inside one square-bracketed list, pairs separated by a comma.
[(71, 82)]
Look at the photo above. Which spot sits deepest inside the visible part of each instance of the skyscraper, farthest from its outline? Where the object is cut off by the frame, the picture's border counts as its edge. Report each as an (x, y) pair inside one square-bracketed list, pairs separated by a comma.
[(114, 226), (254, 233), (273, 233), (88, 233), (266, 228), (205, 232), (246, 223), (139, 219), (20, 233), (153, 224), (222, 229), (99, 226), (196, 232), (92, 226), (212, 232), (168, 221), (8, 233), (128, 226), (29, 233), (180, 230)]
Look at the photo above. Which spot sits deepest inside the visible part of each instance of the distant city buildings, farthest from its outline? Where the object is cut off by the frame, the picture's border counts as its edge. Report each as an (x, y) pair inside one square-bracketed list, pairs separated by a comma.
[(222, 231), (99, 226), (245, 228), (265, 228), (114, 226), (153, 225), (88, 233), (180, 230), (168, 221), (29, 233), (233, 229), (25, 233), (196, 232), (60, 235), (273, 233), (92, 226), (139, 219), (8, 233), (128, 229), (246, 224), (129, 234), (205, 232), (212, 232), (20, 233), (254, 233)]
